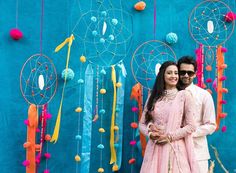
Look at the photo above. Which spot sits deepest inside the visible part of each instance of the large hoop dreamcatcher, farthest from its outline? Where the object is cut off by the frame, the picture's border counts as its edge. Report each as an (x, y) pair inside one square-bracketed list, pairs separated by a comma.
[(211, 24), (38, 84), (103, 37)]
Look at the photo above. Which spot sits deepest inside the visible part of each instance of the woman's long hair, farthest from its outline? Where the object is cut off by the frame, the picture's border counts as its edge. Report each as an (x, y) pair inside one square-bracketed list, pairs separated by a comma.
[(158, 89)]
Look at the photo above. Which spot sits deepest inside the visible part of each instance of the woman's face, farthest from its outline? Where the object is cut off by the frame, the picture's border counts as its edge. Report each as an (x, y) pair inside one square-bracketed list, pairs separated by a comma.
[(171, 77)]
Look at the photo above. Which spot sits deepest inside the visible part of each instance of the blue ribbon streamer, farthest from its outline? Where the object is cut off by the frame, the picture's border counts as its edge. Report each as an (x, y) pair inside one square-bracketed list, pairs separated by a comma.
[(87, 120), (119, 114)]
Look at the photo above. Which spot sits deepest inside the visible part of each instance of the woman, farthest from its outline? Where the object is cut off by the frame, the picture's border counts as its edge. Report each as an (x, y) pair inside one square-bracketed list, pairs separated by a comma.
[(168, 120)]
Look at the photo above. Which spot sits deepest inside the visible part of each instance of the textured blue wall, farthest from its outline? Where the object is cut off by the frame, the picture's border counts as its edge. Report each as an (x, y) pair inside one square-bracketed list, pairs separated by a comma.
[(59, 19)]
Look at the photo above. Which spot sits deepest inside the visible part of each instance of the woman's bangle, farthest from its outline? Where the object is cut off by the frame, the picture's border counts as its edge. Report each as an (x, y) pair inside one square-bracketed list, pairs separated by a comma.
[(149, 134), (169, 137), (149, 125)]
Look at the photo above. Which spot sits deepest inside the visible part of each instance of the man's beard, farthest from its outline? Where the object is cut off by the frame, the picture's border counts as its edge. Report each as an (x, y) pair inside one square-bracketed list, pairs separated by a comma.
[(184, 84)]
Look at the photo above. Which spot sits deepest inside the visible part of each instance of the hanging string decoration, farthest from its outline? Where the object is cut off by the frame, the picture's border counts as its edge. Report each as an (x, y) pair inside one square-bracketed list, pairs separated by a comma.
[(147, 60), (211, 24), (79, 111), (133, 142), (103, 33), (68, 41), (16, 33), (38, 83)]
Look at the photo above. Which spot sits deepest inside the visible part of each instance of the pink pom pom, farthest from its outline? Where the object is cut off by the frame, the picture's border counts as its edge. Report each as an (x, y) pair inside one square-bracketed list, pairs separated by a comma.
[(47, 155), (223, 102), (132, 142), (132, 161), (134, 109), (229, 17), (224, 128), (46, 171), (222, 115), (26, 122), (223, 49), (223, 78), (37, 160), (48, 116), (16, 34), (26, 163), (214, 85), (209, 80), (37, 130)]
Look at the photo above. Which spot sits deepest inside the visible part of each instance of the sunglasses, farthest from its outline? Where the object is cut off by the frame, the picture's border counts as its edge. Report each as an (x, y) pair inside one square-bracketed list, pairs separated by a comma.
[(183, 72)]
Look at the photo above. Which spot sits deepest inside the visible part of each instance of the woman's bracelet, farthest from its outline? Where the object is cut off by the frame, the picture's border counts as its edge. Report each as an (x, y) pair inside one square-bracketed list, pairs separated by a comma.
[(169, 137), (149, 134)]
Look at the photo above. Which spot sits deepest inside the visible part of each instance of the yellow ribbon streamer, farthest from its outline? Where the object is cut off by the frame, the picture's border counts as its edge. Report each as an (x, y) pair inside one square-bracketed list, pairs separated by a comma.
[(69, 40), (218, 159), (112, 137)]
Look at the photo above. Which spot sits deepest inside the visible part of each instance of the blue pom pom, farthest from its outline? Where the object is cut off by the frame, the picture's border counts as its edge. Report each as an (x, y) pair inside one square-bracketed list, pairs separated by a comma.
[(94, 19), (111, 37), (78, 137), (104, 13), (103, 72), (80, 81), (171, 38), (102, 40), (95, 33), (100, 146), (102, 111), (70, 74), (114, 21)]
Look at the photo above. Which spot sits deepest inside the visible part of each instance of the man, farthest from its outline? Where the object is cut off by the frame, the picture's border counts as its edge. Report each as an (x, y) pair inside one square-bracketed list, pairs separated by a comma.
[(205, 115)]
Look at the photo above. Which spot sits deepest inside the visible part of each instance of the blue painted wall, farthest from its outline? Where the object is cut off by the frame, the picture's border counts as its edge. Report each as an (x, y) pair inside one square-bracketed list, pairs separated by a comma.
[(59, 19)]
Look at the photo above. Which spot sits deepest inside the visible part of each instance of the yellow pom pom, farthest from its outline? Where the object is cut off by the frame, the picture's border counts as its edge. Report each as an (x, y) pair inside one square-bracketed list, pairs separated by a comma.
[(101, 130), (116, 128), (118, 84), (103, 91), (100, 170), (77, 158), (78, 109), (115, 168), (83, 59)]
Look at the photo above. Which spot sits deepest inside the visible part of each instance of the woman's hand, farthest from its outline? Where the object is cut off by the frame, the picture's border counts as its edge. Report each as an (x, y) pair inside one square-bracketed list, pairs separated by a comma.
[(162, 139), (154, 135)]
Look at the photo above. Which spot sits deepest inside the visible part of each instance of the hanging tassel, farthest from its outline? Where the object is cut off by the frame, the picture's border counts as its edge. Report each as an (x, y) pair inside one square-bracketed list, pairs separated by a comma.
[(69, 40), (112, 137), (137, 94), (218, 159), (87, 120), (30, 144), (200, 60), (119, 114), (220, 89)]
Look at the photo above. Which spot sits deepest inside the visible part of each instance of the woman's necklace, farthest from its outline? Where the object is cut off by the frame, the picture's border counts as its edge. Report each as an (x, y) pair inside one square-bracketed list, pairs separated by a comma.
[(170, 94)]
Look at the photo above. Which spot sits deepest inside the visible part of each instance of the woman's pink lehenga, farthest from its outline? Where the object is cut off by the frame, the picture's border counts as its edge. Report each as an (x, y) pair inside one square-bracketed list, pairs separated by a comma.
[(177, 116)]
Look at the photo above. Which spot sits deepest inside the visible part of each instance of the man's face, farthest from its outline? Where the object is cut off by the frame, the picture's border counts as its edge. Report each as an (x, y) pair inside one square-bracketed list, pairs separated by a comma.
[(186, 74)]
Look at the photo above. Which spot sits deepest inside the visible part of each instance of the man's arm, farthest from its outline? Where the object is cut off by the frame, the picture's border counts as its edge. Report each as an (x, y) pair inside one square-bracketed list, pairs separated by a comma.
[(208, 118)]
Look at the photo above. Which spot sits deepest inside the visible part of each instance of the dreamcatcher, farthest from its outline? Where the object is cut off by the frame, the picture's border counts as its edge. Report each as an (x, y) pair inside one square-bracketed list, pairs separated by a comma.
[(211, 24), (145, 65), (103, 35), (38, 83)]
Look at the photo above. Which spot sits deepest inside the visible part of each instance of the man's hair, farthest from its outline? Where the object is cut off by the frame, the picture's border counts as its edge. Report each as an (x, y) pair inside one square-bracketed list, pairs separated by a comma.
[(187, 60)]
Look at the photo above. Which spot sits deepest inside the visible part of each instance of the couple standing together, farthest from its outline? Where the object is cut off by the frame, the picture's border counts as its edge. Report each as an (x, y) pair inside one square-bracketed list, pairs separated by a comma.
[(177, 117)]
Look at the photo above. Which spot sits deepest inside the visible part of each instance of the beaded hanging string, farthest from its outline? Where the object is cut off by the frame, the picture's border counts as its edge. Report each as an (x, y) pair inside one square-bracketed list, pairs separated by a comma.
[(134, 126), (79, 110), (221, 66), (101, 115)]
